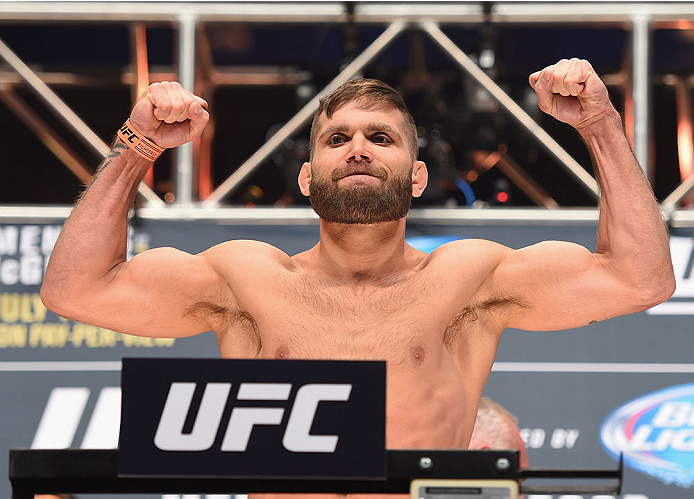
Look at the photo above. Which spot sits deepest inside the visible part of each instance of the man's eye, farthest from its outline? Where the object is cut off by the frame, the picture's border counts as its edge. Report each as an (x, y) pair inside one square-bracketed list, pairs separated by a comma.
[(381, 139), (336, 139)]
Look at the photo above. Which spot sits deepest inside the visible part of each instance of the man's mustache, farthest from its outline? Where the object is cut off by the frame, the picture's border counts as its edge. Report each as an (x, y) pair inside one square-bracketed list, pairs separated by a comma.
[(358, 169)]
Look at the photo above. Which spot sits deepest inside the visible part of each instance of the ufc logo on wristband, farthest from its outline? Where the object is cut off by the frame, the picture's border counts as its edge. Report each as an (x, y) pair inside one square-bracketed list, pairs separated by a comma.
[(128, 134), (139, 143)]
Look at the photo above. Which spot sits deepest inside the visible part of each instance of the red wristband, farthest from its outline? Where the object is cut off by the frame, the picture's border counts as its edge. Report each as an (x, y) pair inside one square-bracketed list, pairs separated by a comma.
[(139, 143)]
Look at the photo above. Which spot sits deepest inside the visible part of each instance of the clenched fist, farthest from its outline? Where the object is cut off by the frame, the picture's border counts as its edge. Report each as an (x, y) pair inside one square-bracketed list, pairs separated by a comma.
[(572, 92), (169, 115)]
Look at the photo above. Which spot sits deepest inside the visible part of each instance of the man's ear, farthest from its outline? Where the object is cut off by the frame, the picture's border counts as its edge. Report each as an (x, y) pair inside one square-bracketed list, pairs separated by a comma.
[(305, 178), (420, 177)]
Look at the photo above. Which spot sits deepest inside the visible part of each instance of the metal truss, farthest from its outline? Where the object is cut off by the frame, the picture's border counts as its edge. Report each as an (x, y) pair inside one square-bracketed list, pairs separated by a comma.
[(639, 18), (68, 116)]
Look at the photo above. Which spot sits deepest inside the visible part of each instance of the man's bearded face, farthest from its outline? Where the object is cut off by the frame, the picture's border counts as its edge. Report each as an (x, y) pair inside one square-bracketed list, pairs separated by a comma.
[(361, 203)]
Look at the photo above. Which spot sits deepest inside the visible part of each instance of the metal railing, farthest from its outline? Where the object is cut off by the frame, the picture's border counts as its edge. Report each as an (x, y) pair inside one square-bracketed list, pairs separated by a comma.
[(638, 18)]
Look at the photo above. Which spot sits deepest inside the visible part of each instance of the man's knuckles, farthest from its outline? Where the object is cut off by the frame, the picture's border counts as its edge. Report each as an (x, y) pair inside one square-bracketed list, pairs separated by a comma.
[(163, 113), (171, 103), (559, 85), (577, 88), (170, 112)]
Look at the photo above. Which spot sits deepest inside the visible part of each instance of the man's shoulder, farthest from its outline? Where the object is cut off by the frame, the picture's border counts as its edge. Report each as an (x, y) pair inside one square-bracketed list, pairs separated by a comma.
[(469, 247), (246, 253), (466, 256)]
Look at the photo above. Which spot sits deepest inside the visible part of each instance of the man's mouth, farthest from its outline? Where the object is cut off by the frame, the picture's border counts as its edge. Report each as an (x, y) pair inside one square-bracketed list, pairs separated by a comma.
[(358, 172), (360, 178)]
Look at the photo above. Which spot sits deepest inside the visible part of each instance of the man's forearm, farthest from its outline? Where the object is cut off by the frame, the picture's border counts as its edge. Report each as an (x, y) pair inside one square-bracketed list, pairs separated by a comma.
[(93, 239), (631, 231)]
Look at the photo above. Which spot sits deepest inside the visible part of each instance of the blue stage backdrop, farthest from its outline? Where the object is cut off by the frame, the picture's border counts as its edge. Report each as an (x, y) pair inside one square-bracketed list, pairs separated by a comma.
[(582, 396)]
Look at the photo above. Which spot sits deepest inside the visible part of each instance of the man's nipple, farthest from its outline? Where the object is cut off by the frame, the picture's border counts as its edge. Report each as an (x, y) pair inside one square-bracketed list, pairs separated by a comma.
[(282, 353), (417, 355)]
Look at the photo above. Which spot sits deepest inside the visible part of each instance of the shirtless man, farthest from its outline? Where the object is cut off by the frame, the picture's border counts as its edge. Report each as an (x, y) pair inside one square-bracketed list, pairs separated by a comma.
[(362, 292)]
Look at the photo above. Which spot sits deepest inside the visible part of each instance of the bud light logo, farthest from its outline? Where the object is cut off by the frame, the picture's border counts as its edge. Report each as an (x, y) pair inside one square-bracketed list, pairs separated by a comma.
[(656, 434), (427, 244)]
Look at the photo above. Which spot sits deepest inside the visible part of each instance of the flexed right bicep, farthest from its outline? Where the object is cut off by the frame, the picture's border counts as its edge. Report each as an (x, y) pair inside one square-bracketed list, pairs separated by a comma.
[(154, 294)]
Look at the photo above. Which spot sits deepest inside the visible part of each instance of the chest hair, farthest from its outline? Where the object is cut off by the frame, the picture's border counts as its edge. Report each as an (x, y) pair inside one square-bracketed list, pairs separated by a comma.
[(379, 300)]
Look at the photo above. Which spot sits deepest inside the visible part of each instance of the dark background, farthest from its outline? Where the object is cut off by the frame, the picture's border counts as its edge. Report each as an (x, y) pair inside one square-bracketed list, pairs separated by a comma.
[(438, 94)]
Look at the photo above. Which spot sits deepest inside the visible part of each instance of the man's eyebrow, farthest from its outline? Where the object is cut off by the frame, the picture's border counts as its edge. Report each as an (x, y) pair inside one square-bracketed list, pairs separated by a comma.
[(371, 127), (341, 128), (382, 127)]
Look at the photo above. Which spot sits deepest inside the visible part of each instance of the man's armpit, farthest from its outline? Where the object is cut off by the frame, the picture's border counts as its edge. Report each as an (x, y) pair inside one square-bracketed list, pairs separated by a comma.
[(224, 318), (211, 313), (490, 309)]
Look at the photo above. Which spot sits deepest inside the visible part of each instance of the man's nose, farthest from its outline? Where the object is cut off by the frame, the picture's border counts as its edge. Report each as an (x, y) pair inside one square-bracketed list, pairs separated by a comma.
[(359, 149)]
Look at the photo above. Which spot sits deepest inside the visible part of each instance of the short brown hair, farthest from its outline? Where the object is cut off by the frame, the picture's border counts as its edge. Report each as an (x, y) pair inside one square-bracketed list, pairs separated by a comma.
[(371, 94)]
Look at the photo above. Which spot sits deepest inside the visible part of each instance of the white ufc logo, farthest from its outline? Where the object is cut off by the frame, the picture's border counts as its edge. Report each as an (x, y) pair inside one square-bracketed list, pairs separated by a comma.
[(170, 436)]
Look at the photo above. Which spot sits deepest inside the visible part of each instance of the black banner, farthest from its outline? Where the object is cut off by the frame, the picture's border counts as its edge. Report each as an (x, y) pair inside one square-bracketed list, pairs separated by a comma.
[(252, 418)]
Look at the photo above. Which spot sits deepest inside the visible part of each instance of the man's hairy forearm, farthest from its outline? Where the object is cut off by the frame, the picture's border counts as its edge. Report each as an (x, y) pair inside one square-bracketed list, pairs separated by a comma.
[(116, 149), (93, 239), (631, 231)]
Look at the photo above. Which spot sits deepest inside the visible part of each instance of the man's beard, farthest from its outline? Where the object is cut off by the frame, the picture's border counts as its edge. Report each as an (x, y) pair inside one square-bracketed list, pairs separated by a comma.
[(361, 204)]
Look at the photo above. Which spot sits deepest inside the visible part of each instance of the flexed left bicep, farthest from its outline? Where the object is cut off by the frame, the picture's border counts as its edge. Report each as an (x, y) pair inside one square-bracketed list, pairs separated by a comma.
[(563, 285)]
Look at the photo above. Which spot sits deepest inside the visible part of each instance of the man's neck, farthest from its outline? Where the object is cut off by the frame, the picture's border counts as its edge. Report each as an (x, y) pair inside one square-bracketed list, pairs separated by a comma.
[(361, 253)]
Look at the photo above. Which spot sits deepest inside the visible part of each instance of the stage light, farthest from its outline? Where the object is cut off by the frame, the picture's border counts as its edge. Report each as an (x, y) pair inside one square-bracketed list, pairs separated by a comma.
[(502, 192)]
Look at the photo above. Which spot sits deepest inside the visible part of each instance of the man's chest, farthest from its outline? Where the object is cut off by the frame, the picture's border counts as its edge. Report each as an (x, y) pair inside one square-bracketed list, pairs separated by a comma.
[(402, 320)]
